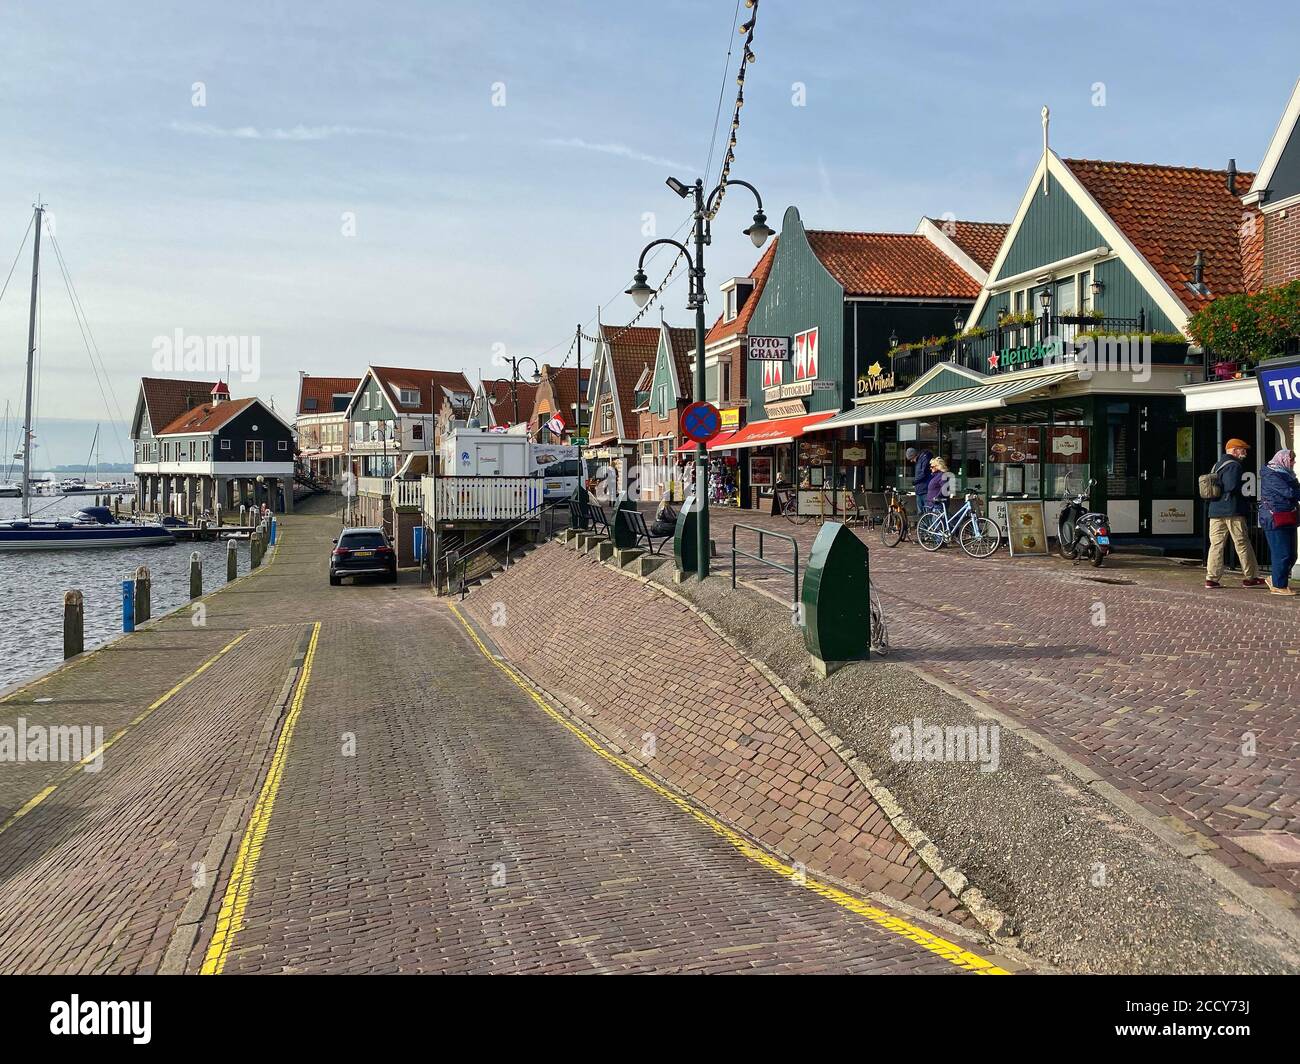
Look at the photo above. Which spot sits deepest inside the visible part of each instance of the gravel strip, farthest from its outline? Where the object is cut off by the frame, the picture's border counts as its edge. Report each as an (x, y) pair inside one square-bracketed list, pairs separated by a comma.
[(1083, 888)]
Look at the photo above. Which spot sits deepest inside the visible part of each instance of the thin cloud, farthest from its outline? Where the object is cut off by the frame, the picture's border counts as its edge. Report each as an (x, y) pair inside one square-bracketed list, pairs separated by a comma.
[(621, 150), (299, 132)]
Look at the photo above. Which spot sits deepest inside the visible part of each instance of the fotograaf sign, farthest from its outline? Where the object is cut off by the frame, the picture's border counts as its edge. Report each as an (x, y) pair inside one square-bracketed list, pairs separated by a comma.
[(769, 348)]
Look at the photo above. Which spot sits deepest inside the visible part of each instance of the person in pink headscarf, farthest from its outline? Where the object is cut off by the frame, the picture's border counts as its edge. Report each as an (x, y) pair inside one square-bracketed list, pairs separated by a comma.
[(1279, 511)]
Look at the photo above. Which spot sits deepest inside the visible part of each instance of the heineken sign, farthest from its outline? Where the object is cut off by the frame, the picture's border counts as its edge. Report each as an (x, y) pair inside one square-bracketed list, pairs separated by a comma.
[(1031, 355)]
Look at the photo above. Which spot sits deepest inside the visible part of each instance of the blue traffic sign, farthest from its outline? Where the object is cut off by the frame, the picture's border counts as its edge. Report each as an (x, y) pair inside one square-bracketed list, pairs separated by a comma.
[(701, 422), (1279, 385)]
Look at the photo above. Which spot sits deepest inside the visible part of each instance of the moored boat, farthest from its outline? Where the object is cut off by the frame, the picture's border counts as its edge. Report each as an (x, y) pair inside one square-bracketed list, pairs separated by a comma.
[(94, 526)]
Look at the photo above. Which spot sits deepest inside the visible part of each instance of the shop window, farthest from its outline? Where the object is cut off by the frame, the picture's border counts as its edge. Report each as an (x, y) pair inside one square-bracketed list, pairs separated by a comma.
[(963, 448), (1014, 461)]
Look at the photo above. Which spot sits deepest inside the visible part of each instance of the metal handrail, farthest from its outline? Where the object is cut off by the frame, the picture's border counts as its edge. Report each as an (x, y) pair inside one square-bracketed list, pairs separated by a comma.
[(736, 552), (458, 559)]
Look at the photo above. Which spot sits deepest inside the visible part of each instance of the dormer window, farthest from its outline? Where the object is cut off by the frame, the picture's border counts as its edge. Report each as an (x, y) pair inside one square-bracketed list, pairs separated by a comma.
[(409, 396), (309, 404), (736, 293)]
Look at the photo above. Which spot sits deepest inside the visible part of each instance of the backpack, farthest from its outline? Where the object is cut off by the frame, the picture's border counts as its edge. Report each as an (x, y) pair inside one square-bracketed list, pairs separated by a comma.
[(1208, 485)]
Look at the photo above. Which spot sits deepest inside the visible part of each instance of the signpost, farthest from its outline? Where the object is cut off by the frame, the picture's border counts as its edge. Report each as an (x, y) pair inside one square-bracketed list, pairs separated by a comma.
[(701, 422)]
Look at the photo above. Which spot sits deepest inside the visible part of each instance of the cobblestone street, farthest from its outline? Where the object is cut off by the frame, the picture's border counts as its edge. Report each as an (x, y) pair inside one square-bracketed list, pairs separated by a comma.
[(1182, 699), (339, 779)]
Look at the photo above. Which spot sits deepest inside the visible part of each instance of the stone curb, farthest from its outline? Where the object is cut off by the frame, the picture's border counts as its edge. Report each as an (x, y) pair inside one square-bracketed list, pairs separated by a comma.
[(1007, 956), (1282, 919), (952, 877)]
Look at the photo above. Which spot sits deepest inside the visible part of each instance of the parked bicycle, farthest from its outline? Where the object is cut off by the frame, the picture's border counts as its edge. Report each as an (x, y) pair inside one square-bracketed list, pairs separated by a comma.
[(787, 499), (896, 526), (978, 536)]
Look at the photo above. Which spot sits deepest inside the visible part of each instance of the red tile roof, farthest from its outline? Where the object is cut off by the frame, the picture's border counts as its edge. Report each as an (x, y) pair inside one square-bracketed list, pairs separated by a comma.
[(428, 382), (683, 343), (564, 391), (740, 323), (891, 264), (206, 418), (322, 391), (1172, 212), (503, 407), (980, 240), (631, 349), (167, 398)]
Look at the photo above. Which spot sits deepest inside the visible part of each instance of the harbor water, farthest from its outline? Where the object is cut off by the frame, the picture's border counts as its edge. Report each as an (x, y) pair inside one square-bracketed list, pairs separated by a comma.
[(32, 584)]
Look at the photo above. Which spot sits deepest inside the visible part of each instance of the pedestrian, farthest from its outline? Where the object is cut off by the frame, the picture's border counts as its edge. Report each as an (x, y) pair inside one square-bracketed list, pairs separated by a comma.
[(920, 474), (937, 489), (665, 522), (1228, 514), (1279, 508)]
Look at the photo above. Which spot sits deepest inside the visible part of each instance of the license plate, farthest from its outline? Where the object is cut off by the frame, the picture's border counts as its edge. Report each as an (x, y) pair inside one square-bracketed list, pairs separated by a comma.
[(553, 485), (363, 554), (1104, 540)]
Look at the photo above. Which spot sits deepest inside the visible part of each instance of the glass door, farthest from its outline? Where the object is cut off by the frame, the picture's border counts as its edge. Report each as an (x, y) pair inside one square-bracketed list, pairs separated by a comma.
[(1168, 485)]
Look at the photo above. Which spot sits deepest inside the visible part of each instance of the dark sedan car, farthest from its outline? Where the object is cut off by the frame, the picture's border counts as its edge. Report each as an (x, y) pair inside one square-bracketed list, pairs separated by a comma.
[(358, 551)]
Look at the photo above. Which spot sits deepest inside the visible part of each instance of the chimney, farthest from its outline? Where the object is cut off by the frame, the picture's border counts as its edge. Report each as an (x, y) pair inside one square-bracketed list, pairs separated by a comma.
[(220, 393), (1198, 270), (1232, 176)]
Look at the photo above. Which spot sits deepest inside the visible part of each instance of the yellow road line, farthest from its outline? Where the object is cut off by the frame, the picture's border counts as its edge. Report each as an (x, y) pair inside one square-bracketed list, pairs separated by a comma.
[(99, 751), (949, 951), (230, 918)]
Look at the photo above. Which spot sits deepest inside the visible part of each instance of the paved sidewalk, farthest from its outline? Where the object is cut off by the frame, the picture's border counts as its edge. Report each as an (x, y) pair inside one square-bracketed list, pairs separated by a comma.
[(422, 813), (1183, 699)]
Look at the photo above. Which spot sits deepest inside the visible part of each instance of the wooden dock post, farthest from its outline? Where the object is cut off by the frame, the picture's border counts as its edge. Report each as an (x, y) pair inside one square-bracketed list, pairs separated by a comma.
[(196, 575), (74, 624), (143, 588), (243, 515), (254, 549), (232, 560)]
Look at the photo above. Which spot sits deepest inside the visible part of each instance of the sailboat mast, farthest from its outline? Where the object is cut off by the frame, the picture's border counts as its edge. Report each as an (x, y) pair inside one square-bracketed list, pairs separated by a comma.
[(31, 358)]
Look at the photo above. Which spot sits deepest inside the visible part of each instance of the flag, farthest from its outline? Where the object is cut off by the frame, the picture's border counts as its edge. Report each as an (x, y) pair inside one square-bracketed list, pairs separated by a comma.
[(555, 425)]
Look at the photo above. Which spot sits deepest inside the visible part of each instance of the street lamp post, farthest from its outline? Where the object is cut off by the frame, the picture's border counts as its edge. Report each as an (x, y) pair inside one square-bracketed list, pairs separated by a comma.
[(515, 378), (641, 293)]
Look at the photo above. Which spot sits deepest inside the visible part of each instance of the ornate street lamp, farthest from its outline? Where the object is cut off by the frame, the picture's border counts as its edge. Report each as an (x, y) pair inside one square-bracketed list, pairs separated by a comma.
[(641, 293)]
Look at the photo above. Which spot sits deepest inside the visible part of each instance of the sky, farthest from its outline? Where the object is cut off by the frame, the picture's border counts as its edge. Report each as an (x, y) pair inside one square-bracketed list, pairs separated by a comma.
[(438, 184)]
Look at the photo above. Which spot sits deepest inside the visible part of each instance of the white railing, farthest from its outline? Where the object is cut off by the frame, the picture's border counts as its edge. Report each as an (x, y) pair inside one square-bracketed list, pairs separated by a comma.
[(480, 498), (378, 486), (408, 493)]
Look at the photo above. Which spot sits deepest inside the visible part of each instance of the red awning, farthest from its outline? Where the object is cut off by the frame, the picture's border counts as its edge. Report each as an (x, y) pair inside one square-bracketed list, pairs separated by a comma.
[(719, 440), (767, 433)]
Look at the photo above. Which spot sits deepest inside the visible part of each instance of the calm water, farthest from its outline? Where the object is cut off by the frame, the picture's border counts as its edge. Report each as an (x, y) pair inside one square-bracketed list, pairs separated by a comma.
[(32, 586)]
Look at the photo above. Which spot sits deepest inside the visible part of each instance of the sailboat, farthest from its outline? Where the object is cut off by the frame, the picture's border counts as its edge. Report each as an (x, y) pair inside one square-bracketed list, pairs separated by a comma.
[(94, 526), (8, 489)]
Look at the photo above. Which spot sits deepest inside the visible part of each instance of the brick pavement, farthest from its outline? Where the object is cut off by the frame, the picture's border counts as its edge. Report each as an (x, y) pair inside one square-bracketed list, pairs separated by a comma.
[(643, 669), (380, 858), (1158, 699)]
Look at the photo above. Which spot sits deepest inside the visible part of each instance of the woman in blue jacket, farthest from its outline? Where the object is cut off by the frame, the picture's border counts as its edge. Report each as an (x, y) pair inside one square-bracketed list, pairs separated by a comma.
[(1279, 503)]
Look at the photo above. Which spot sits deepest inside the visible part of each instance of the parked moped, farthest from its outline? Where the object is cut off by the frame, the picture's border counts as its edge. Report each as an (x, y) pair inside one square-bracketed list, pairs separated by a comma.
[(1082, 533)]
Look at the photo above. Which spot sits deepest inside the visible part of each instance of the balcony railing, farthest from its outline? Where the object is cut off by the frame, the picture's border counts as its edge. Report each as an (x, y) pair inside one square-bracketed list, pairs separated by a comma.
[(480, 498), (379, 487), (985, 353)]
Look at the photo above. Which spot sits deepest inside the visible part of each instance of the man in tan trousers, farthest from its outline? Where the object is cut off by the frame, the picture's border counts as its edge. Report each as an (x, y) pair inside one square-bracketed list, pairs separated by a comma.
[(1229, 514)]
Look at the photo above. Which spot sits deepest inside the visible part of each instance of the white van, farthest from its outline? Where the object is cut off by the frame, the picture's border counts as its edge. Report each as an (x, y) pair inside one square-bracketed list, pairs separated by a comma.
[(557, 465)]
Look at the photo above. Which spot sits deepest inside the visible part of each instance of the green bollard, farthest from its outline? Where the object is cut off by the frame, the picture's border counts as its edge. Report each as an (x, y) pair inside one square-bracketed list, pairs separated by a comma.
[(835, 600), (685, 548)]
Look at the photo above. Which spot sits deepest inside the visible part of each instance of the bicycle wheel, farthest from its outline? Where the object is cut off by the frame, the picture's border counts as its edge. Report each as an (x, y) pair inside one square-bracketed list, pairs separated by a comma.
[(891, 532), (980, 537), (930, 532)]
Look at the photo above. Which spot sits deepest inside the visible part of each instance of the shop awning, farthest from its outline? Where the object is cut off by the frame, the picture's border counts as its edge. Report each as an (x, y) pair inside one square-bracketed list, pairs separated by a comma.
[(767, 433), (718, 441), (979, 397)]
